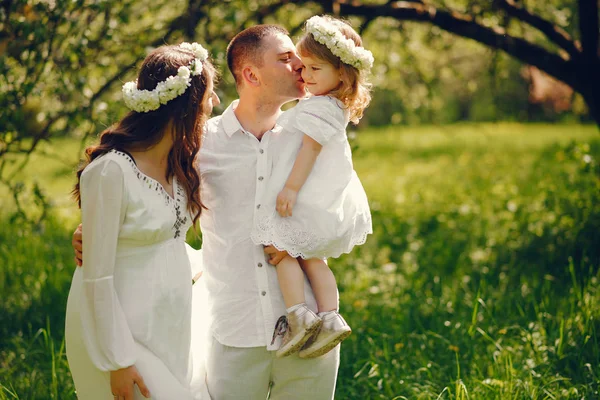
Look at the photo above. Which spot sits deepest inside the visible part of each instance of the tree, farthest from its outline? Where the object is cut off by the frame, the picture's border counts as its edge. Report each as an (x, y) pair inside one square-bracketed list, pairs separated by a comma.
[(575, 62), (62, 62)]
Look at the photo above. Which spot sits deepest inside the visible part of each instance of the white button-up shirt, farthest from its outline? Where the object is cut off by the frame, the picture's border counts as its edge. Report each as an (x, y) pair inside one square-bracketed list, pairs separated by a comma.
[(243, 293)]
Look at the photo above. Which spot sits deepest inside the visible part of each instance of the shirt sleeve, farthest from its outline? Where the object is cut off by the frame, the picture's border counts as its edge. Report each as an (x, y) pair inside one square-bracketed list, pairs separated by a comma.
[(320, 118), (107, 336)]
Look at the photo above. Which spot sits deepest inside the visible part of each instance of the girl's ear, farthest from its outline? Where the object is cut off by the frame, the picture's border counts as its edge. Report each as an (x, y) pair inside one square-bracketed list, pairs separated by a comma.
[(250, 76)]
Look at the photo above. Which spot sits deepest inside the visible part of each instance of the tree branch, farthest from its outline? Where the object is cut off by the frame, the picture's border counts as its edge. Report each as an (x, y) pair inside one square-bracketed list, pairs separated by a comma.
[(366, 23), (195, 14), (466, 26), (553, 32)]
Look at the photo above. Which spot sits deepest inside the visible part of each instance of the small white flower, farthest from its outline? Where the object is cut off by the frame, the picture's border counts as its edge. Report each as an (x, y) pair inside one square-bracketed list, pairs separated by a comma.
[(199, 52), (389, 267), (464, 209), (183, 72), (196, 67)]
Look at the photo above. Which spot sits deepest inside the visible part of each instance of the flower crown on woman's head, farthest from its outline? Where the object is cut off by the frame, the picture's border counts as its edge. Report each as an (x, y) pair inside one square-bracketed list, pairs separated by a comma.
[(174, 86), (348, 52)]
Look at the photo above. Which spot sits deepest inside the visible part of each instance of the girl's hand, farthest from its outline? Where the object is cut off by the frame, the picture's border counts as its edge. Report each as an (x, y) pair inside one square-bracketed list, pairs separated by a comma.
[(122, 381), (286, 199)]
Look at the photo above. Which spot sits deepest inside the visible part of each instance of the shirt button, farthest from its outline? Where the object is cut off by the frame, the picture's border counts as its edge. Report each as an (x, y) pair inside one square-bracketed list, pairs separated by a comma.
[(260, 178), (259, 265), (263, 293), (258, 206), (261, 151)]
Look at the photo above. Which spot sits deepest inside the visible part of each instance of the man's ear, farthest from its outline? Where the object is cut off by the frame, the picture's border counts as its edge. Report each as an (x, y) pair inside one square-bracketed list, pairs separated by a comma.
[(250, 76)]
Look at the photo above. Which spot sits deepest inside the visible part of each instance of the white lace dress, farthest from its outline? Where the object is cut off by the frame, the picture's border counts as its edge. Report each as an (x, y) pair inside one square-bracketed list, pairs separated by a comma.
[(331, 214), (131, 303)]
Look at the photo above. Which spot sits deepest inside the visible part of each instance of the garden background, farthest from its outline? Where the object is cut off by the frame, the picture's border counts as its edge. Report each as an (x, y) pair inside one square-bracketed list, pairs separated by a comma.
[(479, 154)]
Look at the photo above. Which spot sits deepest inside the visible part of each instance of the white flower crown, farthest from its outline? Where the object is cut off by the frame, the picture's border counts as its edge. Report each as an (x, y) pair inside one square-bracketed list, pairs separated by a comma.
[(150, 100), (327, 34)]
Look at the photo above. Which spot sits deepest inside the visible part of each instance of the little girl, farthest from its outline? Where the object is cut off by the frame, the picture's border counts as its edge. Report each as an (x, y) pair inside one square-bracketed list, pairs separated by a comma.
[(315, 206)]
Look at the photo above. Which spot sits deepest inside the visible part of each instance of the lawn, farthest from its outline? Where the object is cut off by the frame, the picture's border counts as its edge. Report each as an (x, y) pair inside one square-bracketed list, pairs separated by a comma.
[(480, 280)]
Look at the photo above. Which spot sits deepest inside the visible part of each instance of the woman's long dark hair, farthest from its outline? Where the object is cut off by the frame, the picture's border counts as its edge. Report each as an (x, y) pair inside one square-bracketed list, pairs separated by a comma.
[(187, 114)]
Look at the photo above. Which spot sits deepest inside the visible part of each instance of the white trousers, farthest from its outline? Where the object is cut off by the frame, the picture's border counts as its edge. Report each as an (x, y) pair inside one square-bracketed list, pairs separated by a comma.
[(254, 373)]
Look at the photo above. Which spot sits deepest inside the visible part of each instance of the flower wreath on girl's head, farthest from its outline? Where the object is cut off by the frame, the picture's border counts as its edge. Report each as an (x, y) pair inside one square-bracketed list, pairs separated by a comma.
[(327, 34), (174, 86)]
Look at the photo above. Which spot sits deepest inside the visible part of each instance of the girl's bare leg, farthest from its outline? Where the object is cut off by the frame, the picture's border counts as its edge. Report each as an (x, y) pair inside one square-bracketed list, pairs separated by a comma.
[(291, 281), (323, 283)]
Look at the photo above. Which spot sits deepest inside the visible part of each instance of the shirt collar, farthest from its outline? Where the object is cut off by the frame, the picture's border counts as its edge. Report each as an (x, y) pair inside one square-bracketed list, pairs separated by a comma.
[(231, 124), (230, 121)]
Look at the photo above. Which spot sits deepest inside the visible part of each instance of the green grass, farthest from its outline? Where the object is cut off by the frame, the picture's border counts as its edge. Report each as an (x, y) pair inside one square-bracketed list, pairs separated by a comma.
[(52, 167), (479, 282)]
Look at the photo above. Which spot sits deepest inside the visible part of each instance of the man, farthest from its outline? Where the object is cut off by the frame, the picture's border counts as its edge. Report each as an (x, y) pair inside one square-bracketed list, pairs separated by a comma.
[(235, 164), (244, 297)]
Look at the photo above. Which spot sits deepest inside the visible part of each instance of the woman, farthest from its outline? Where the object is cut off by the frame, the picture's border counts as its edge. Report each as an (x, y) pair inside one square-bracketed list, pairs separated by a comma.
[(128, 327)]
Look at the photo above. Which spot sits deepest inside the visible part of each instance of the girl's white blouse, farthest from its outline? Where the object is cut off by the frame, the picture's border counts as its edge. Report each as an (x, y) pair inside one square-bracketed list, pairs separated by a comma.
[(136, 275)]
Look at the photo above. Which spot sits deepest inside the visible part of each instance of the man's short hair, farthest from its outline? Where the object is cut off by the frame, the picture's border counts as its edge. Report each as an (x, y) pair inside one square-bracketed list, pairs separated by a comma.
[(247, 47)]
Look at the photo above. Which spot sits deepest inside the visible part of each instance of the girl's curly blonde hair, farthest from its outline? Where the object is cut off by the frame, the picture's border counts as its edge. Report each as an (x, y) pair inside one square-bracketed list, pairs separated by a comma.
[(355, 89)]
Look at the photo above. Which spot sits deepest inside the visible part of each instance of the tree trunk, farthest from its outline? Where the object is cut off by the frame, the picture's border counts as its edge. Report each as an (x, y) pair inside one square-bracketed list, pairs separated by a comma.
[(591, 94), (593, 102), (588, 61)]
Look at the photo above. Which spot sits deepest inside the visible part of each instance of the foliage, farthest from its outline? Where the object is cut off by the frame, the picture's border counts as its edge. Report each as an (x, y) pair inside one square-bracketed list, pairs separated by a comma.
[(480, 280), (59, 65)]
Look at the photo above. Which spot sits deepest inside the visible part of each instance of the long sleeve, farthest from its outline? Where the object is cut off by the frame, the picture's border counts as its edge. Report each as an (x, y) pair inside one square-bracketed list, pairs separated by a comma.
[(107, 337)]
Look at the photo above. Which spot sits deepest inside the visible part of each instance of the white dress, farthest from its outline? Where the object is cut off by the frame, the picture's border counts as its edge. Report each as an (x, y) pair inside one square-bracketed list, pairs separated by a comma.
[(331, 214), (131, 303)]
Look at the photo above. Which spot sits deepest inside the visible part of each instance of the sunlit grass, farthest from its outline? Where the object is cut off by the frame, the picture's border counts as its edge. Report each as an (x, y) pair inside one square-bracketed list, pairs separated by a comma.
[(479, 282), (484, 235)]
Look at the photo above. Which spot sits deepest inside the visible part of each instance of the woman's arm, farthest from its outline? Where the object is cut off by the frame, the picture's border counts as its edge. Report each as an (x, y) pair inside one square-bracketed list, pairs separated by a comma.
[(107, 337), (305, 160)]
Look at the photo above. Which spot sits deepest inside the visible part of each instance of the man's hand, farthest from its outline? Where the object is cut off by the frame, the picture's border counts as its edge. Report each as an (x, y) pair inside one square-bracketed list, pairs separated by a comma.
[(122, 381), (196, 277), (275, 256), (77, 244), (286, 199)]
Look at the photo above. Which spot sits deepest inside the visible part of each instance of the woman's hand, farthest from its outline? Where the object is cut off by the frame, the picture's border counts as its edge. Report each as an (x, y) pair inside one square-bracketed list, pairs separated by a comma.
[(286, 200), (77, 244), (122, 381)]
